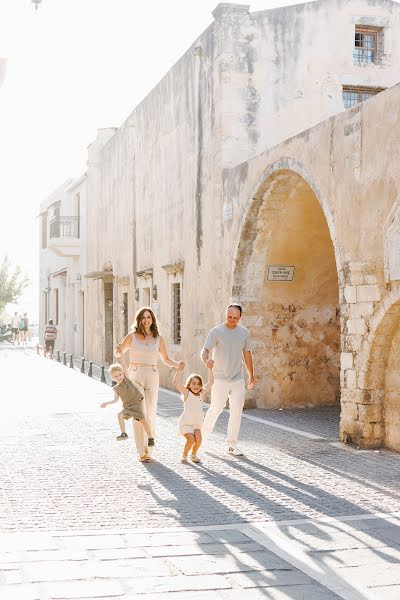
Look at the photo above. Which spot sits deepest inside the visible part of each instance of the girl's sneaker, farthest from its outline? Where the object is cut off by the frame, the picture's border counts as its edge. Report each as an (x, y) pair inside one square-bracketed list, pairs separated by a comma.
[(122, 436), (195, 458)]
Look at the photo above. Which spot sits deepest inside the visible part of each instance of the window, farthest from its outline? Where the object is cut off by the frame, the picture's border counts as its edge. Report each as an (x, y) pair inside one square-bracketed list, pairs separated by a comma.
[(125, 304), (176, 312), (368, 44), (44, 230), (354, 95), (146, 296), (78, 213), (56, 305)]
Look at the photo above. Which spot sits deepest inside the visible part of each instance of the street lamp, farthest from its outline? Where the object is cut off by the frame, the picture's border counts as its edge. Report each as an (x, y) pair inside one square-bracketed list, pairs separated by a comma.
[(36, 3)]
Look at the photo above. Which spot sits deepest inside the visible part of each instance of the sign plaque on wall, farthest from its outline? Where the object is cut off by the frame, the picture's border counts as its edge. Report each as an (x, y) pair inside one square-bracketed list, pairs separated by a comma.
[(280, 273)]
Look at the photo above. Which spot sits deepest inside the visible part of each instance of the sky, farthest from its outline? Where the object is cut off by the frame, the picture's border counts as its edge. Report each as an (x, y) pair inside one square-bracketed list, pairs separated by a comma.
[(74, 66)]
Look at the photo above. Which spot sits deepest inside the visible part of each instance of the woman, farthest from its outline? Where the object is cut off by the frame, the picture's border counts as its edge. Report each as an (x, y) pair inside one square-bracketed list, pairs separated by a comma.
[(144, 345)]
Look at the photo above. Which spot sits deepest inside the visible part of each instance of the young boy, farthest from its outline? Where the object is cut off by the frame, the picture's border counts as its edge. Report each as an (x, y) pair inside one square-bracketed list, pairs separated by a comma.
[(132, 400)]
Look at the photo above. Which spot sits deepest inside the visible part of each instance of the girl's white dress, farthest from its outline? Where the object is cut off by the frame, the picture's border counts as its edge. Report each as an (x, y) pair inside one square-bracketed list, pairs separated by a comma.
[(192, 416)]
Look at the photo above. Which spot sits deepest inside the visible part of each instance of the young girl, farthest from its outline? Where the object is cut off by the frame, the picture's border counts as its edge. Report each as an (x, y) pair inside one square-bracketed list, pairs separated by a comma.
[(191, 419), (132, 401)]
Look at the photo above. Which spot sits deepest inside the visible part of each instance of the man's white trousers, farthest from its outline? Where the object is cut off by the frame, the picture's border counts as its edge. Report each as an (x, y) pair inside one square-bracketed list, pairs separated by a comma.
[(220, 392)]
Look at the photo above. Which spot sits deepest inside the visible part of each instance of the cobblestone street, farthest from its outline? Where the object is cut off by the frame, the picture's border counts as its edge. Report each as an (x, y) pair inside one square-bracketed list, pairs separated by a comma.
[(300, 516)]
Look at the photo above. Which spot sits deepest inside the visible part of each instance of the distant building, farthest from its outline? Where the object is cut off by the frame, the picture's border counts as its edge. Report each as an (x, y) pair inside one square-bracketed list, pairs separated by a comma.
[(62, 260)]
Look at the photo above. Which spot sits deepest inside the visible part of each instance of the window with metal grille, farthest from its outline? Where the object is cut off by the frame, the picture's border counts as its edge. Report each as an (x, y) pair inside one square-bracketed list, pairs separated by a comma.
[(366, 44), (354, 95), (44, 231), (125, 309), (176, 312), (56, 306)]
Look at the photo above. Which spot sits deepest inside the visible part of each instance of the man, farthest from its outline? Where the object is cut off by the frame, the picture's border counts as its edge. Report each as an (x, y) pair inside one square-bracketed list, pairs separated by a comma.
[(230, 343), (15, 328), (23, 329), (50, 336)]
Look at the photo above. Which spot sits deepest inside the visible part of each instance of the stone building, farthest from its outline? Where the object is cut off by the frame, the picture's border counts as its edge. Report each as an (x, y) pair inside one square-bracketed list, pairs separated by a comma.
[(236, 178), (62, 264)]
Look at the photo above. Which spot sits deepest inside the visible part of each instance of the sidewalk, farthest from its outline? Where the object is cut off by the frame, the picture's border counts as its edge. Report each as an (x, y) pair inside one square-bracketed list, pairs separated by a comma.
[(300, 517)]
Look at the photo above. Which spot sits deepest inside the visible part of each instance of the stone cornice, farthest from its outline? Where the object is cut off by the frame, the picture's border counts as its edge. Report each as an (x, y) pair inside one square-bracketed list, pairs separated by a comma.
[(173, 268), (228, 8), (145, 273)]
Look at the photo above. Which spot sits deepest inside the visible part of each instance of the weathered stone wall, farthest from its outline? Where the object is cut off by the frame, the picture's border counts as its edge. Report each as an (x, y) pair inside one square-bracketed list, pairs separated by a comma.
[(356, 189), (283, 69), (153, 200)]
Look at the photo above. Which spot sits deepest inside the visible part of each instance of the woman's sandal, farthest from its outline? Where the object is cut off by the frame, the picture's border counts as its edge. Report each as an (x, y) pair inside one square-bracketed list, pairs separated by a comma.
[(144, 458), (195, 458)]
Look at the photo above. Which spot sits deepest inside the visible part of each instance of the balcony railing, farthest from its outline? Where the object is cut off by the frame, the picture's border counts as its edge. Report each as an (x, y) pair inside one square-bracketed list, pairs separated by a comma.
[(64, 227)]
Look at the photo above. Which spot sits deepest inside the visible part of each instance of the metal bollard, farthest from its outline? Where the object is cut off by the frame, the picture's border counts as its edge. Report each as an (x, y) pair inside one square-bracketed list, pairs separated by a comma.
[(71, 362), (90, 372), (65, 359), (83, 365), (103, 376), (58, 356)]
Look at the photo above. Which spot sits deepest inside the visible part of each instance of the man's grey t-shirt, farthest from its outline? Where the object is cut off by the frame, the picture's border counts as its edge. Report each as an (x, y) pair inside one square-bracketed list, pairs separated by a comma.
[(228, 345)]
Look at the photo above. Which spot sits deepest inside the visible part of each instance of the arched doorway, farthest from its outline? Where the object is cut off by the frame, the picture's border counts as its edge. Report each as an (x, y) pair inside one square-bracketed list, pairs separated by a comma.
[(382, 411), (295, 325)]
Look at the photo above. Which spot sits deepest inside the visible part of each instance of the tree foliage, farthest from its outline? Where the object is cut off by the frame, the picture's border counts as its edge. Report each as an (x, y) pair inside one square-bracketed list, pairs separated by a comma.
[(12, 283)]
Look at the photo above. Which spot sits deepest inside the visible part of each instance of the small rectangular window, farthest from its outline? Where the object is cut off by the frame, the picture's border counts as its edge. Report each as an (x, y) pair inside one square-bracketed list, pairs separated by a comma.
[(176, 312), (354, 95), (56, 306), (125, 305), (146, 296), (44, 231), (366, 45)]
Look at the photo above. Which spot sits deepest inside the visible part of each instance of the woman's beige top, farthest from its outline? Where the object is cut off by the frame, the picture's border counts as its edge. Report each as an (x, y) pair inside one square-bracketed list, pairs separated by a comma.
[(145, 354)]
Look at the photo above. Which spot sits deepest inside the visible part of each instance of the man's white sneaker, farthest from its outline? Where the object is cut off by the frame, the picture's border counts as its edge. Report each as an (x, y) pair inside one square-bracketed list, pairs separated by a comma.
[(234, 450)]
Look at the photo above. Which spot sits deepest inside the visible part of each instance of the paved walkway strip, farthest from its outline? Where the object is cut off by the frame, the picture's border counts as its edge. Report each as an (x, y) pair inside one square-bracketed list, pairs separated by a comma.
[(295, 519)]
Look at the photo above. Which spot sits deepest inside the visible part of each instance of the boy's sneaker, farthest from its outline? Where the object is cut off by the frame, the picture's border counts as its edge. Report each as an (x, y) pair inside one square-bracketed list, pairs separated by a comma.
[(234, 450), (122, 436), (150, 442)]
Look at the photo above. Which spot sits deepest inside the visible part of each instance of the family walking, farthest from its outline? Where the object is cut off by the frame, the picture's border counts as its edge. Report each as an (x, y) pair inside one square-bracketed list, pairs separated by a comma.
[(225, 350)]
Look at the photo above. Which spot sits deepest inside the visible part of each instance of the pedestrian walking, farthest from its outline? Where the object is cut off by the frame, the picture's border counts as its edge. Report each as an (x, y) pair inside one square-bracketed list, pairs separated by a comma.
[(145, 345), (23, 329), (132, 401), (191, 420), (230, 344), (15, 328), (50, 336)]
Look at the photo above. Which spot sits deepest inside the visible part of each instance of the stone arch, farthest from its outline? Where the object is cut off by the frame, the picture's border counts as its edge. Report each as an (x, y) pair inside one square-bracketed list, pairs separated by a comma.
[(295, 326), (379, 376)]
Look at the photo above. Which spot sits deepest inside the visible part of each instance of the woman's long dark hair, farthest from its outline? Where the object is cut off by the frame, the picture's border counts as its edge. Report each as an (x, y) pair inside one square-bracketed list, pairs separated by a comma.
[(138, 326)]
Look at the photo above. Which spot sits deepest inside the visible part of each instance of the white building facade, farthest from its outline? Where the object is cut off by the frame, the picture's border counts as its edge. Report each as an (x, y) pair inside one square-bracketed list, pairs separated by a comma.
[(62, 264)]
